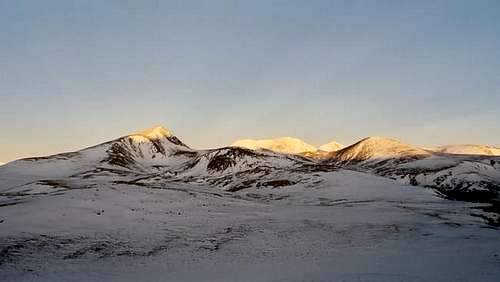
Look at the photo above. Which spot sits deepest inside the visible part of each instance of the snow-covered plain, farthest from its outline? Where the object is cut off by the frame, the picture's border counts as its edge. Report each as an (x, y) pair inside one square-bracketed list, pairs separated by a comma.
[(351, 227), (147, 207)]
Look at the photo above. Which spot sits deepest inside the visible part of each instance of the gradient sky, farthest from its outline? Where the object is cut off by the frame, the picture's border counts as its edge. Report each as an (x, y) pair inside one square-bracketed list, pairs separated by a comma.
[(77, 73)]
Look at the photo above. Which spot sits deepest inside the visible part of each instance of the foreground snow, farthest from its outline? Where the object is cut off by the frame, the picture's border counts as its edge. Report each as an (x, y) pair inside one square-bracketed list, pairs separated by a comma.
[(350, 226)]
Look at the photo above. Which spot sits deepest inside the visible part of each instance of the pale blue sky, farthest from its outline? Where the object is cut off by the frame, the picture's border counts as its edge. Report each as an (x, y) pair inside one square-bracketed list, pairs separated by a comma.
[(76, 73)]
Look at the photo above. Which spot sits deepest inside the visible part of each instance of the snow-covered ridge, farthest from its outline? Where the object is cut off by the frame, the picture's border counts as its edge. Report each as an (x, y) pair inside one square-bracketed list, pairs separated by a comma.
[(469, 149)]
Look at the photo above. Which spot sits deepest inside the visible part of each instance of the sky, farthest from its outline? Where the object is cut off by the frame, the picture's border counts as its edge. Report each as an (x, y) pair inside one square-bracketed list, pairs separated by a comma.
[(77, 73)]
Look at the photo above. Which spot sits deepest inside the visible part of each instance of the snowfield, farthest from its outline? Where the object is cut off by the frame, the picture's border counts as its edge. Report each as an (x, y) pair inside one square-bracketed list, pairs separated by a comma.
[(147, 207), (352, 227)]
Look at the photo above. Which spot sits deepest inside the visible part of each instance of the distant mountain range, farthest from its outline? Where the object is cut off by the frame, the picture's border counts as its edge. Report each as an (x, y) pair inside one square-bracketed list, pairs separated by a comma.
[(292, 145), (156, 157), (287, 145), (469, 149)]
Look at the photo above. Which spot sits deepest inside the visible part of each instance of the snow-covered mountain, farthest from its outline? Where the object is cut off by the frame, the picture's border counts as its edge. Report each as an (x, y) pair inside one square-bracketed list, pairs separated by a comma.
[(466, 177), (286, 145), (142, 152), (377, 149), (331, 146), (469, 149), (155, 157)]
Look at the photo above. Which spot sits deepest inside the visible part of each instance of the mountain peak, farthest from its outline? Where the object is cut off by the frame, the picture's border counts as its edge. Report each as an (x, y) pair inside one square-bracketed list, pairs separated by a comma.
[(331, 146), (378, 148), (156, 132), (383, 143)]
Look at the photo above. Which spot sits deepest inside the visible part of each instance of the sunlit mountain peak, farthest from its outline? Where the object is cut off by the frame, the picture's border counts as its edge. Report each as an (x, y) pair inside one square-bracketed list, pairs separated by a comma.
[(331, 146), (156, 132)]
